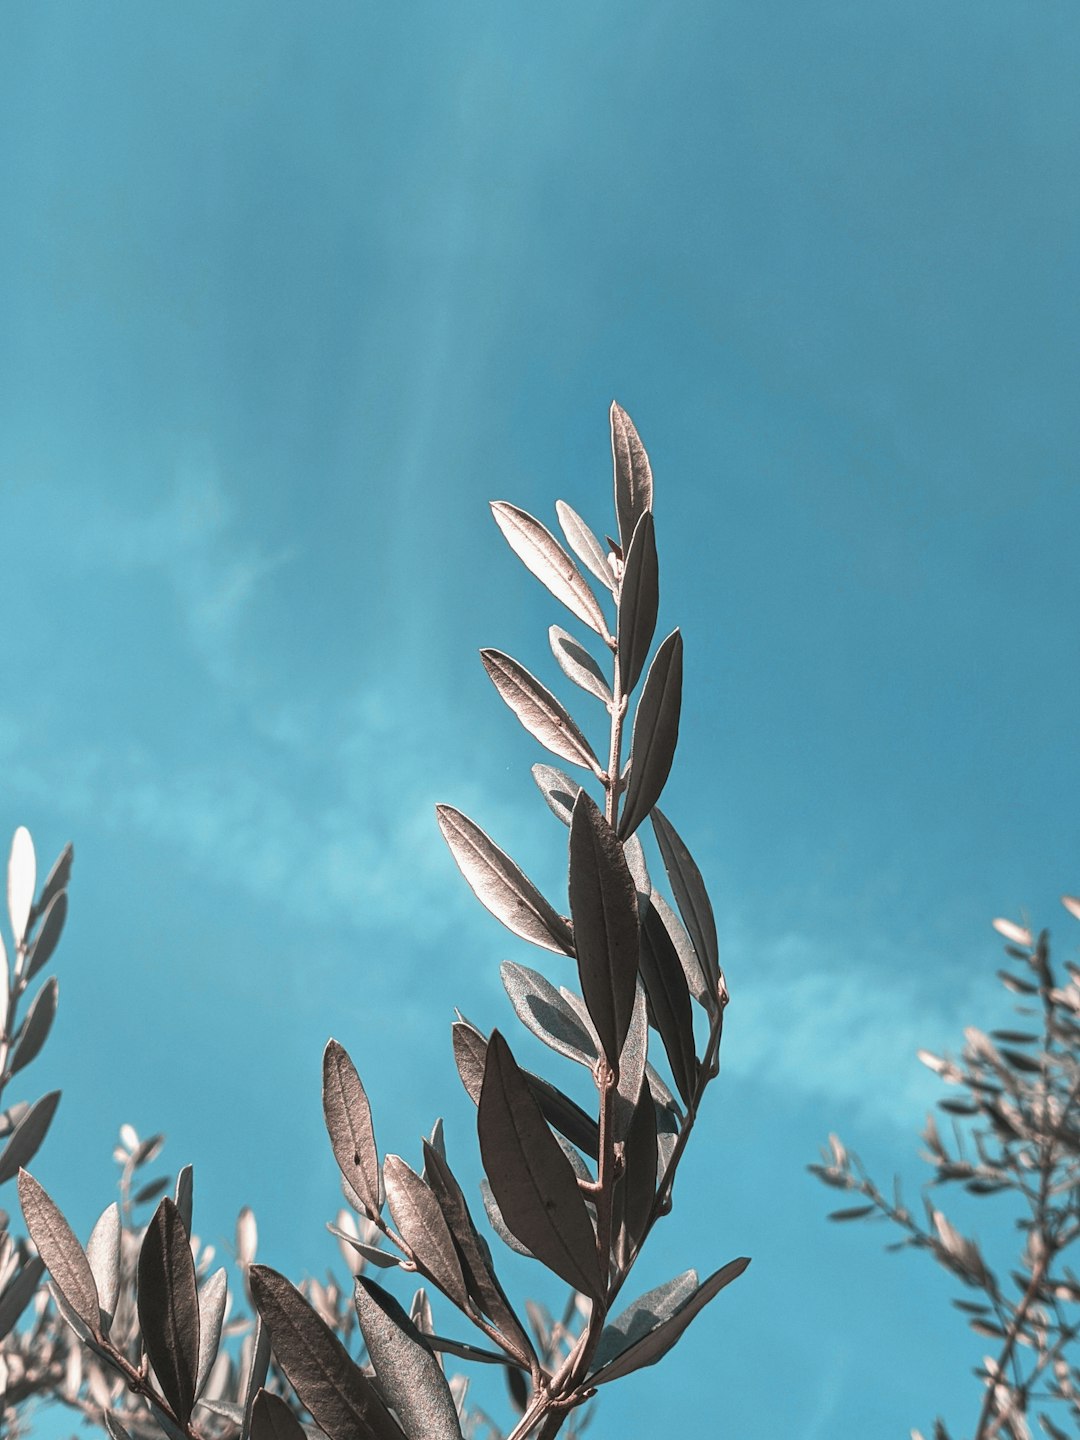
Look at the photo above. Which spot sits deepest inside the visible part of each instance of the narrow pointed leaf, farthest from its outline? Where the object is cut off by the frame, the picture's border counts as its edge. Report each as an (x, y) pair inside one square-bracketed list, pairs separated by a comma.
[(531, 1179), (27, 1136), (381, 1258), (169, 1308), (639, 598), (348, 1123), (633, 1064), (603, 906), (643, 1315), (103, 1255), (499, 1225), (544, 717), (584, 544), (36, 1026), (480, 1278), (635, 859), (538, 549), (18, 1293), (271, 1419), (21, 879), (558, 790), (500, 886), (183, 1195), (423, 1227), (639, 1178), (48, 937), (633, 475), (677, 934), (541, 1009), (690, 895), (669, 1001), (657, 1342), (578, 665), (470, 1053), (258, 1365), (58, 879), (213, 1299), (656, 732), (342, 1400), (113, 1426), (411, 1378)]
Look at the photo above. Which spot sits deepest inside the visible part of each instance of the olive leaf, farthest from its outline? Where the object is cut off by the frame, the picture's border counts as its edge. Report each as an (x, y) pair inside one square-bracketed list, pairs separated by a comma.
[(633, 474), (500, 886), (348, 1123), (271, 1419), (57, 880), (168, 1305), (578, 665), (103, 1256), (531, 1179), (545, 1012), (422, 1224), (48, 936), (656, 1342), (656, 732), (61, 1252), (538, 549), (603, 906), (342, 1400), (558, 790), (639, 599), (643, 1315), (690, 895), (669, 1001), (35, 1028), (411, 1378), (18, 1292), (544, 717), (21, 878), (584, 544), (26, 1138)]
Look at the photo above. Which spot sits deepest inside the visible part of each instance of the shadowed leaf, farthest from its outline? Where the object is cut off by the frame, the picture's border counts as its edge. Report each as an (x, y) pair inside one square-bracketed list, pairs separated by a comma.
[(538, 549), (169, 1308), (656, 733), (544, 717), (271, 1419), (578, 665), (17, 1295), (669, 1001), (184, 1194), (541, 1009), (639, 598), (690, 895), (633, 475), (36, 1026), (500, 886), (381, 1258), (633, 1064), (48, 937), (499, 1225), (558, 790), (584, 544), (643, 1315), (114, 1427), (603, 905), (61, 1252), (423, 1227), (58, 878), (480, 1278), (639, 1178), (412, 1379), (655, 1344), (342, 1400), (691, 966), (531, 1179), (348, 1123), (28, 1135)]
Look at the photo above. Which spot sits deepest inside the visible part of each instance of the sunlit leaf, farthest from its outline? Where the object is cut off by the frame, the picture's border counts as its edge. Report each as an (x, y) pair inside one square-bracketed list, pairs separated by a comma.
[(656, 733), (213, 1299), (1072, 905), (633, 474), (643, 1315), (257, 1368), (669, 1001), (578, 665), (538, 549), (348, 1123), (639, 598), (500, 886), (422, 1225), (342, 1400), (169, 1308), (603, 906), (1015, 934), (21, 879), (541, 1009), (531, 1179), (542, 715), (411, 1378), (584, 544), (677, 934), (103, 1254)]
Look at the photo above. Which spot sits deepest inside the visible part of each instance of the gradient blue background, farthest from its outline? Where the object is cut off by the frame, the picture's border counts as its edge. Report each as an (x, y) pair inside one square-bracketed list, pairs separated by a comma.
[(288, 294)]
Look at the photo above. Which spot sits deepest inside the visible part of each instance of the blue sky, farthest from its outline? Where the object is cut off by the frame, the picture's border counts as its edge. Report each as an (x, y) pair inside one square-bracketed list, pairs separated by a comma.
[(289, 294)]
